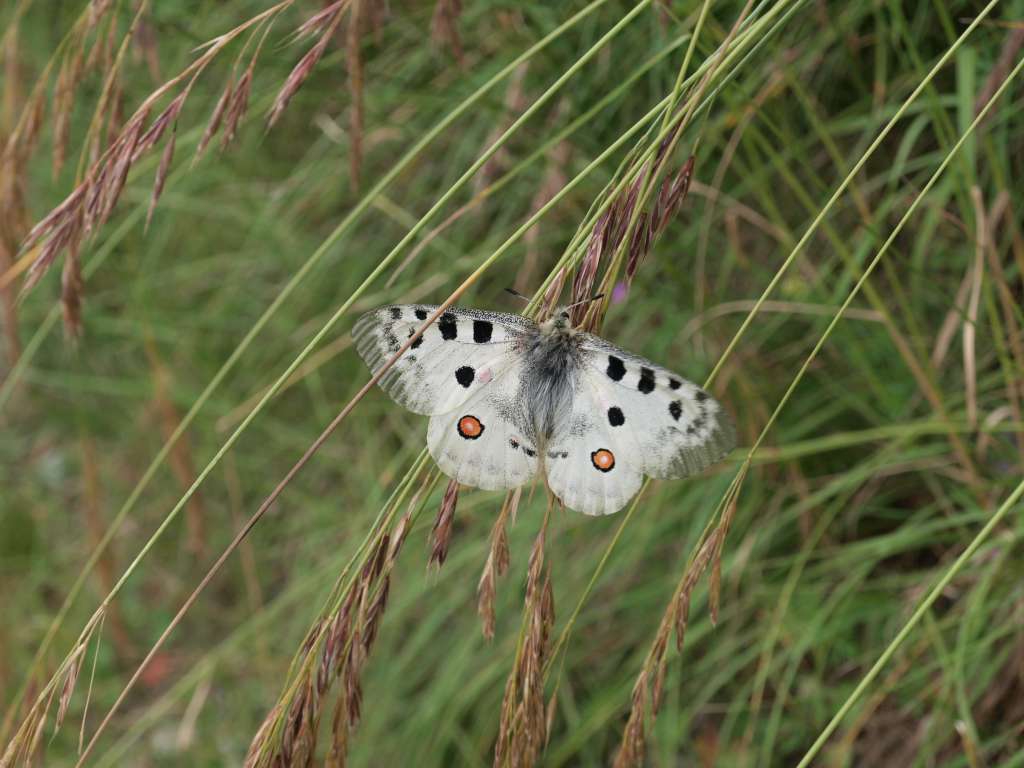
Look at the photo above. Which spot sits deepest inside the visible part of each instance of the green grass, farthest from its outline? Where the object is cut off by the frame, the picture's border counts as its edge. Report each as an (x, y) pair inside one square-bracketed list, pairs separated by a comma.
[(871, 599)]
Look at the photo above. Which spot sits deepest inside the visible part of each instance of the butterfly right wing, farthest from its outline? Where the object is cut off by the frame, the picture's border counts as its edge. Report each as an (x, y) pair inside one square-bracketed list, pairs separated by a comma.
[(630, 418), (676, 427), (591, 466), (464, 349)]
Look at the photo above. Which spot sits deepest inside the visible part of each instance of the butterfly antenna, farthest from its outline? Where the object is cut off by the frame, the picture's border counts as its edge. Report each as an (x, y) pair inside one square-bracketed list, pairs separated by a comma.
[(517, 294), (586, 301)]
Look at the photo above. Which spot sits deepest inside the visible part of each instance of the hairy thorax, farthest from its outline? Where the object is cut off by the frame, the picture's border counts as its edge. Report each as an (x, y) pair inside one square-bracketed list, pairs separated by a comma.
[(552, 360)]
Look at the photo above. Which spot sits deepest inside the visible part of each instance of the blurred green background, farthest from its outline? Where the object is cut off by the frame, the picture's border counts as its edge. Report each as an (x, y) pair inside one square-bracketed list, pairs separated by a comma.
[(897, 446)]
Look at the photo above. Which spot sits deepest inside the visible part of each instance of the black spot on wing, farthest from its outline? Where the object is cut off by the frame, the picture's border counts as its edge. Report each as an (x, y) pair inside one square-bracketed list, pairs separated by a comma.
[(465, 376), (675, 408), (482, 330), (616, 369), (421, 314), (396, 313), (646, 383), (675, 383), (449, 330), (615, 417), (529, 452), (701, 396), (418, 341)]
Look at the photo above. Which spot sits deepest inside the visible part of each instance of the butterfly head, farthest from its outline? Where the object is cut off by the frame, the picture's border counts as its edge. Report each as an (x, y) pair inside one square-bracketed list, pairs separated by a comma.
[(558, 323)]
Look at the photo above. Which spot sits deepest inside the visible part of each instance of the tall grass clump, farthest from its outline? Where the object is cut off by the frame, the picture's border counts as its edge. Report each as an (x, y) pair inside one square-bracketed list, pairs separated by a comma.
[(221, 544)]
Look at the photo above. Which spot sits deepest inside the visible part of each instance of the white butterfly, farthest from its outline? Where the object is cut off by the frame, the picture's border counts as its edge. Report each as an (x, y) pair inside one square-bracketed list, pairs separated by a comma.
[(508, 397)]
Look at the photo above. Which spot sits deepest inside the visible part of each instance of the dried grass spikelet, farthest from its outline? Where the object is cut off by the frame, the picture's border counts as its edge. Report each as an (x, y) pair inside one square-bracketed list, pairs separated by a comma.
[(71, 288), (334, 653), (670, 196), (586, 273), (25, 743), (551, 296), (523, 728), (442, 531), (444, 26), (650, 683), (325, 24), (89, 205), (161, 176), (497, 562), (623, 226)]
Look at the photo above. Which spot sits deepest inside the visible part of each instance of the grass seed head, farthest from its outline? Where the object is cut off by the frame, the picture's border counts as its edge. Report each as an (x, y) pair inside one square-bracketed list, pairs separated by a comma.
[(442, 532)]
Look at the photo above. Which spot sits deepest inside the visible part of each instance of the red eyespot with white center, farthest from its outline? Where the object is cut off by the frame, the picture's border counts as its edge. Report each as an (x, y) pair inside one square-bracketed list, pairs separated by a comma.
[(470, 427), (603, 460)]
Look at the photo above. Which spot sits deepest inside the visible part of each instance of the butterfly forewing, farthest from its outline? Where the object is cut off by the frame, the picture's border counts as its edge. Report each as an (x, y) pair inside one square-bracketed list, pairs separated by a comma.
[(463, 350)]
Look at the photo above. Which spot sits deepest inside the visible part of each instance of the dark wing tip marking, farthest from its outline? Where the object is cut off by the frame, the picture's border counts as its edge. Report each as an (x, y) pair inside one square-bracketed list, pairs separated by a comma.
[(465, 376), (616, 417), (701, 396), (616, 368), (646, 383), (482, 330), (675, 408)]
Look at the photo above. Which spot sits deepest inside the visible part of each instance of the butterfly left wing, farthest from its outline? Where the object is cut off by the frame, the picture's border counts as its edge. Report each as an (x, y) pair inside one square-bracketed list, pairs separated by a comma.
[(462, 351)]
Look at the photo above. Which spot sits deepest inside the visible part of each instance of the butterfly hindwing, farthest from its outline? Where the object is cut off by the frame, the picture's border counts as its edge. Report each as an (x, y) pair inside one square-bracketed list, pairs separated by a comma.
[(456, 355), (478, 443), (592, 466), (677, 428)]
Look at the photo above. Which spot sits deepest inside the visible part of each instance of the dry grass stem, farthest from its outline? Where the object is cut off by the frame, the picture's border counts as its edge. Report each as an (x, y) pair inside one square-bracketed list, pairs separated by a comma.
[(91, 202), (444, 26), (497, 562), (441, 534), (523, 728)]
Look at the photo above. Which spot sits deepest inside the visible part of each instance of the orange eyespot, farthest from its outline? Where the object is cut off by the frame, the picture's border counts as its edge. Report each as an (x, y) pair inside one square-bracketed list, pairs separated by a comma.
[(470, 427), (603, 460)]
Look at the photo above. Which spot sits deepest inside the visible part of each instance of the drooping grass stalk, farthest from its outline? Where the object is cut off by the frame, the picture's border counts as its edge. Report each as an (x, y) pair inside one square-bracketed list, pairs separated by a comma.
[(337, 315), (996, 518), (731, 346), (343, 227), (470, 280)]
